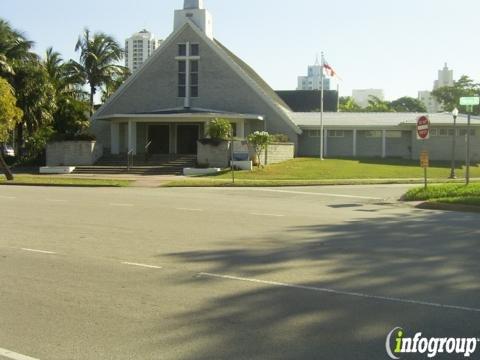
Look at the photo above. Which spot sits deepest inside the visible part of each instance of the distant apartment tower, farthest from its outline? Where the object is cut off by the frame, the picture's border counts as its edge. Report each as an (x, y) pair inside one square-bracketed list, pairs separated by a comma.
[(313, 80), (138, 49), (362, 96), (445, 78)]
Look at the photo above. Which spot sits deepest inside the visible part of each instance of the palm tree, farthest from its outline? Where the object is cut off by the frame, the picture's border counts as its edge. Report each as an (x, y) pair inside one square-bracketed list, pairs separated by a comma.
[(99, 58), (14, 48)]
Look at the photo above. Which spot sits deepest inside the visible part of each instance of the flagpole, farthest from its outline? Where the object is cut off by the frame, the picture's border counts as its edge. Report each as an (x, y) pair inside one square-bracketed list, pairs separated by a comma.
[(321, 107), (338, 97)]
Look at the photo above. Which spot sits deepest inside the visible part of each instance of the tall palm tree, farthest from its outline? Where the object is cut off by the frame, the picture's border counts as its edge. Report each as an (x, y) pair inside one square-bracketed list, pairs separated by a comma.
[(14, 48), (99, 58)]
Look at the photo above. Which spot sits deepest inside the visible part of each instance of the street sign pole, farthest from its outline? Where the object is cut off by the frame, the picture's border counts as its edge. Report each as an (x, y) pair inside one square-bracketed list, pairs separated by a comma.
[(467, 174)]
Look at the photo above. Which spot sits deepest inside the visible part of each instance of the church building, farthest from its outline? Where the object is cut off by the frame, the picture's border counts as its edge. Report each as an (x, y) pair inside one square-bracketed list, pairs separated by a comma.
[(191, 79)]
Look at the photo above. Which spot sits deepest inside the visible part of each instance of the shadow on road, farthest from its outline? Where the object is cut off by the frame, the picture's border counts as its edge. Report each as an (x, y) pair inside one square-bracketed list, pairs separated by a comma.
[(425, 256)]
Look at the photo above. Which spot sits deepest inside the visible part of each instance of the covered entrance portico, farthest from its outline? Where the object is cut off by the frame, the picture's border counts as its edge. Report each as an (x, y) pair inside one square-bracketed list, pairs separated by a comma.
[(172, 132)]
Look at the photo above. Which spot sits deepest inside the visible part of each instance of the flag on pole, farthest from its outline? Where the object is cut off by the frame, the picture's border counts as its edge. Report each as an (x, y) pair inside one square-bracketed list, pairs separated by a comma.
[(329, 71)]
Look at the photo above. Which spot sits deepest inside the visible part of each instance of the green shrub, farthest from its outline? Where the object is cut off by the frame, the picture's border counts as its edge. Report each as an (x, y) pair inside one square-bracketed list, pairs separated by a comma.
[(279, 138), (219, 129)]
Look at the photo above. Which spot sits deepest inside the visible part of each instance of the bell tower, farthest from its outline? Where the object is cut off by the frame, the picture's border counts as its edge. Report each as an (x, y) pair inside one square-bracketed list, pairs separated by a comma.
[(194, 10)]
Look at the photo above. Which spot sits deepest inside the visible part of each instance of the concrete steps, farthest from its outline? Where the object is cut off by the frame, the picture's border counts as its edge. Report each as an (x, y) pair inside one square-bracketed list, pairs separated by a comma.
[(155, 165)]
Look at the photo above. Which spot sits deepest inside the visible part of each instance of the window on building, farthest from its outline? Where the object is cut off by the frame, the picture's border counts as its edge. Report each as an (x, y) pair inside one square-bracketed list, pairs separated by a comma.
[(463, 132), (194, 50), (182, 78), (314, 133), (194, 78), (373, 134), (182, 50), (336, 133), (394, 134)]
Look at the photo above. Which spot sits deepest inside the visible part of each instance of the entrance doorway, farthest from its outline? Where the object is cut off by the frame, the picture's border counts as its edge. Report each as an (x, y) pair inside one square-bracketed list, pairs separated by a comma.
[(159, 135), (187, 137)]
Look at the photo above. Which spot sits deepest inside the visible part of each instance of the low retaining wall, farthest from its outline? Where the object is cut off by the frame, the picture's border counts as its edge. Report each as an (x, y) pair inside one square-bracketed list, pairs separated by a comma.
[(276, 153), (73, 153), (219, 156)]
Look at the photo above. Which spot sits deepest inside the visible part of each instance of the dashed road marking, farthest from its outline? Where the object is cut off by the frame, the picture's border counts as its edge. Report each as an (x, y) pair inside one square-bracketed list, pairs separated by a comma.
[(39, 251), (56, 200), (14, 356), (270, 215), (344, 293), (141, 265), (121, 205), (7, 197), (189, 209)]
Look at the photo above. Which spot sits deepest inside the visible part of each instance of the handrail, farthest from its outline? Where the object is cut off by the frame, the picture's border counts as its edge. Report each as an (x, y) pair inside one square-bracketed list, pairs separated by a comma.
[(147, 152), (130, 160)]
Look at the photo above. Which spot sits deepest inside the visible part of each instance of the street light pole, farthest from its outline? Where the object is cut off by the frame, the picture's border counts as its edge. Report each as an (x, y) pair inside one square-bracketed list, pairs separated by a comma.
[(453, 175), (468, 150)]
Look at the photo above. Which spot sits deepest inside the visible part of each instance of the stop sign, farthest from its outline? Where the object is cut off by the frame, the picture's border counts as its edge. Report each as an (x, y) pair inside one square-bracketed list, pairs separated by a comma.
[(423, 128)]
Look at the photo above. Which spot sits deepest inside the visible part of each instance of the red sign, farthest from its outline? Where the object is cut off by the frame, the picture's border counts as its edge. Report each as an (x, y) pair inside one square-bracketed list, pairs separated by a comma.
[(423, 128)]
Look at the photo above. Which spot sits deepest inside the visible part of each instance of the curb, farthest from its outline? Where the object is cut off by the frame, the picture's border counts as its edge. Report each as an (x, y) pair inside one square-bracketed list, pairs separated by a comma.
[(448, 207)]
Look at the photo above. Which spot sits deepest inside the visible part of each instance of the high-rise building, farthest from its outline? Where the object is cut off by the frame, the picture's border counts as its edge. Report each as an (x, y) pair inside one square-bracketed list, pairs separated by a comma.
[(445, 78), (313, 80), (138, 49), (363, 96)]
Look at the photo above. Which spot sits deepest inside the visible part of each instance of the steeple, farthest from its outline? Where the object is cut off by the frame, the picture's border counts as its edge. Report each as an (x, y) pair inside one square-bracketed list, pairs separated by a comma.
[(193, 4), (194, 11)]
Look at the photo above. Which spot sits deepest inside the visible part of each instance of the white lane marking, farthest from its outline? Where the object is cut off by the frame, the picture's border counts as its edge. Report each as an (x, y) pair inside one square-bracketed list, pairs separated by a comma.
[(271, 215), (311, 193), (121, 205), (187, 209), (7, 197), (56, 200), (14, 356), (39, 251), (141, 265), (345, 293)]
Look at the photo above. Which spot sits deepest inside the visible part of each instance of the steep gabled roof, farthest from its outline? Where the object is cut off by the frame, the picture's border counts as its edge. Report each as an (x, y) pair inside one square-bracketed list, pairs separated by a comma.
[(262, 84), (245, 71)]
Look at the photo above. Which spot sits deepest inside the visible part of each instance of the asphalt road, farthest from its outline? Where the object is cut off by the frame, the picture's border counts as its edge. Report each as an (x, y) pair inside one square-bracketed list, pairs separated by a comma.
[(293, 273)]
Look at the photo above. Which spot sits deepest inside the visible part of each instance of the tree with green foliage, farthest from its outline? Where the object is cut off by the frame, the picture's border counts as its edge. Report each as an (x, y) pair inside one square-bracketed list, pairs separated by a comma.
[(376, 104), (114, 83), (99, 58), (14, 49), (71, 116), (10, 114), (36, 97), (348, 104), (220, 129), (259, 141), (449, 96), (408, 104)]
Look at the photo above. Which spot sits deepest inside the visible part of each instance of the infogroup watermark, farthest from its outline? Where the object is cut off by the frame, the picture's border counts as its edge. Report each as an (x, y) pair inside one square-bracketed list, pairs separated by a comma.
[(398, 344)]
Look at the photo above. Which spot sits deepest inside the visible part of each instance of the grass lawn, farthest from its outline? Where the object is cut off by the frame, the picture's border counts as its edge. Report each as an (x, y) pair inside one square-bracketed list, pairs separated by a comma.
[(450, 194), (41, 180), (310, 171)]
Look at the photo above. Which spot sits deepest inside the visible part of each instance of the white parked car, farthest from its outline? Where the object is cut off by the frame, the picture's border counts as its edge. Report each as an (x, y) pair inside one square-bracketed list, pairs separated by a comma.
[(7, 150)]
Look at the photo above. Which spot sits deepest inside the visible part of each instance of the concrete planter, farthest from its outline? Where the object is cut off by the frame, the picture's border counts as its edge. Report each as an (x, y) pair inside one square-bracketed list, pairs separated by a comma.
[(214, 156), (73, 153), (57, 170), (199, 172)]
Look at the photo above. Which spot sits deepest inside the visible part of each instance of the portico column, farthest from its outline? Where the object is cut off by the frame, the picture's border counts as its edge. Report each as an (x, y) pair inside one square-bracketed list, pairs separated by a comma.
[(354, 142), (115, 138), (132, 136), (241, 129), (384, 144)]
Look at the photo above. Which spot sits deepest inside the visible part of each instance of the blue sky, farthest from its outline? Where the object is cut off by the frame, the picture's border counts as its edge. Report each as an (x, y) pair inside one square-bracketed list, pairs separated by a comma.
[(394, 45)]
